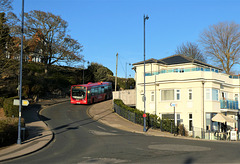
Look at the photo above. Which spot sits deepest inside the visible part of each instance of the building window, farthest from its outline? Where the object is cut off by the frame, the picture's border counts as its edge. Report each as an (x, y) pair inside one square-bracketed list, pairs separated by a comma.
[(177, 95), (170, 94), (190, 94), (181, 70), (236, 97), (215, 94), (167, 94), (224, 95), (190, 122), (211, 94), (152, 96), (208, 93)]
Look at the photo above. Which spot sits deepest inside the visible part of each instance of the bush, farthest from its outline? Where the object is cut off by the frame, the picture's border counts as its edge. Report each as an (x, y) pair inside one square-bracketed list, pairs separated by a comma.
[(10, 109), (9, 130), (151, 120), (182, 130)]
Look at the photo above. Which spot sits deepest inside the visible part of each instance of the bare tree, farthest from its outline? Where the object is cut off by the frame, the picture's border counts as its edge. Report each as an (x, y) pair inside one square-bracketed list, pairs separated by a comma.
[(221, 42), (5, 5), (190, 49)]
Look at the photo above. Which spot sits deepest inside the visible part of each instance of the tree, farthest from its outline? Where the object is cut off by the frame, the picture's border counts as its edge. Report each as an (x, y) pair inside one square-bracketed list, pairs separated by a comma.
[(4, 34), (5, 5), (190, 50), (98, 72), (221, 42), (53, 43)]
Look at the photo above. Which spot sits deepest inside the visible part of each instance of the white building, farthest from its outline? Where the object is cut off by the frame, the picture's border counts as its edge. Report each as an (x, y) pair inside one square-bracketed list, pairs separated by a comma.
[(199, 90)]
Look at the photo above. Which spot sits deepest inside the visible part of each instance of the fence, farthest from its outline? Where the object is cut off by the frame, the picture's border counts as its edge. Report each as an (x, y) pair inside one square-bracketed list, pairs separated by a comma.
[(163, 125), (168, 126)]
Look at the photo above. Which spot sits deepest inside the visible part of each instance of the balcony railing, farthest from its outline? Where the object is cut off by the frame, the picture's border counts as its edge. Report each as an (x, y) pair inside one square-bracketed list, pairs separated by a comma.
[(182, 70), (229, 104)]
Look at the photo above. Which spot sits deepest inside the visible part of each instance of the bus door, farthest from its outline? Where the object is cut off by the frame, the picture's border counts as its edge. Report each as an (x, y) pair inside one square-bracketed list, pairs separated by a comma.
[(89, 96)]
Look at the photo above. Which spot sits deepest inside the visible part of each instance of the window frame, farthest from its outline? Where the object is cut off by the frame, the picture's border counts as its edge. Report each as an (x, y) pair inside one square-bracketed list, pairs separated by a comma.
[(190, 94)]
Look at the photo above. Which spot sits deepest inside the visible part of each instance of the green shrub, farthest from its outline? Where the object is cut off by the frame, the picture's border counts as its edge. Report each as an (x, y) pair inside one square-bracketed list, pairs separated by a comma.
[(182, 130), (151, 120), (10, 109), (9, 130)]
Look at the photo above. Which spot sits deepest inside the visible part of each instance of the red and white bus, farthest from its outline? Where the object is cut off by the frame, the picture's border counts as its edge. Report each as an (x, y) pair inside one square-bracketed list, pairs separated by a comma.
[(91, 92)]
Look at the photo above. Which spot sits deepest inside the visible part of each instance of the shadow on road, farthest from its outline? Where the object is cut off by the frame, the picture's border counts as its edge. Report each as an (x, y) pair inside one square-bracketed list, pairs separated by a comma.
[(75, 125)]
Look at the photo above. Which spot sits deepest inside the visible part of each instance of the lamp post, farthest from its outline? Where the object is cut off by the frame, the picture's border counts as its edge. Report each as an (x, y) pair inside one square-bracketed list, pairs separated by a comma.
[(126, 74), (144, 98), (20, 79)]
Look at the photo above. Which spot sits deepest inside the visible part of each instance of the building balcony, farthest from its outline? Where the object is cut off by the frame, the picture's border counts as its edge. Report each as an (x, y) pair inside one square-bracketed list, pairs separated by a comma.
[(229, 104)]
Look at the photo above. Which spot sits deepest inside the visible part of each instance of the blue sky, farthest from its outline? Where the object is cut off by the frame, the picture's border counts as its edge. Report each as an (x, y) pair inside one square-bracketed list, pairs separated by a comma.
[(108, 27)]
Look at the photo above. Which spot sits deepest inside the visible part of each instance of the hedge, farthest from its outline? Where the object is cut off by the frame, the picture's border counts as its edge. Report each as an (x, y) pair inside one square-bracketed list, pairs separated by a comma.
[(10, 110), (9, 130), (151, 120)]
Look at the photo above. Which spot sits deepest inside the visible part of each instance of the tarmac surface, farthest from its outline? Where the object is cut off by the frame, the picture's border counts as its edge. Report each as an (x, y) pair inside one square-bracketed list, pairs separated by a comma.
[(40, 135)]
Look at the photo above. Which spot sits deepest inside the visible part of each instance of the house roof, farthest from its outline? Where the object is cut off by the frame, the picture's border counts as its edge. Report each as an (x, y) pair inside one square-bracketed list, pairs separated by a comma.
[(152, 60), (176, 59)]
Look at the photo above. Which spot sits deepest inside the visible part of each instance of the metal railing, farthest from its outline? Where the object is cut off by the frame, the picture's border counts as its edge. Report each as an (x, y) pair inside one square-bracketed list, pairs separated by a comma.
[(228, 104), (167, 125)]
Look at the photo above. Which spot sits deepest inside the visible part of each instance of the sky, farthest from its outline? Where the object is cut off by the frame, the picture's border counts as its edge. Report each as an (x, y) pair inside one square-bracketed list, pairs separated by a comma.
[(108, 27)]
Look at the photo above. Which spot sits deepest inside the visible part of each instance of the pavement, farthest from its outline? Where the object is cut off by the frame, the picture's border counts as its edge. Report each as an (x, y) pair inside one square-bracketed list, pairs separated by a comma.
[(40, 135)]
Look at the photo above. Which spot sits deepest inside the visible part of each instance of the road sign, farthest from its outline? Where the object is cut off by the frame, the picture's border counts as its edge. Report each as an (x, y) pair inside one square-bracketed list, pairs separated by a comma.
[(172, 104), (17, 102), (144, 115)]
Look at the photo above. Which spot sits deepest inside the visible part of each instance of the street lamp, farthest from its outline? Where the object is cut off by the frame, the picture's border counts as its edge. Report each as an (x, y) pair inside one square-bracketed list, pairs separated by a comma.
[(20, 80), (144, 97), (126, 74)]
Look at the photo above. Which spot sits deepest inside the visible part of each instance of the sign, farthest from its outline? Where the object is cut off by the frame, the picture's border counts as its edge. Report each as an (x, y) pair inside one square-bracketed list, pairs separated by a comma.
[(24, 102), (172, 104), (233, 136), (144, 115)]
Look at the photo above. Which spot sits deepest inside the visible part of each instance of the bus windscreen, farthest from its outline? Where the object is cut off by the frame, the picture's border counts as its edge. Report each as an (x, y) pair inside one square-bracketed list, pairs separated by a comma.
[(78, 92)]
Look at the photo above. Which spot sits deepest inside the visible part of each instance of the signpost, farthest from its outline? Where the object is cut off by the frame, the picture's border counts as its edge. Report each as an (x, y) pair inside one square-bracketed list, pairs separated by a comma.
[(17, 102), (173, 105)]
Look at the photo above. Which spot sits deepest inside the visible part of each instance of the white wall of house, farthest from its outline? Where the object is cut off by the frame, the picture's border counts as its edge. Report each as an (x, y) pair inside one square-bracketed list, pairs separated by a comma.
[(195, 92)]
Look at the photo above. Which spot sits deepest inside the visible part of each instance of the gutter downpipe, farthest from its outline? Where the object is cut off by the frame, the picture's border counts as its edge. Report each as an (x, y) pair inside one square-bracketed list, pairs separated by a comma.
[(203, 136)]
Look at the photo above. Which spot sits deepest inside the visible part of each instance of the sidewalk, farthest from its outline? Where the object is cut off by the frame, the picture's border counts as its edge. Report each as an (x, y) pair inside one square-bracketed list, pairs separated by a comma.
[(104, 113), (39, 133)]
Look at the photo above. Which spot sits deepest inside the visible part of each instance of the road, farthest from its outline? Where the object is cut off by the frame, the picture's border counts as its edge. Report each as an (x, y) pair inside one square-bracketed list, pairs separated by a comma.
[(79, 139)]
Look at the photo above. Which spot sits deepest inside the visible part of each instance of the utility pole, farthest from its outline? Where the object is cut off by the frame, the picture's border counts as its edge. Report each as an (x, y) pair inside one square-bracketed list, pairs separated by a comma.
[(116, 72)]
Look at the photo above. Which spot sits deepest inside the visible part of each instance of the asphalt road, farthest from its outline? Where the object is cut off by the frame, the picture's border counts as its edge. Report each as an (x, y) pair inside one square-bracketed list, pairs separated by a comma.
[(79, 139)]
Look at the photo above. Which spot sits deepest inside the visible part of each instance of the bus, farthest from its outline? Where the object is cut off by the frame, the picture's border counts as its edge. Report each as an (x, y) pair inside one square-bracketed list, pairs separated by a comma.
[(91, 92)]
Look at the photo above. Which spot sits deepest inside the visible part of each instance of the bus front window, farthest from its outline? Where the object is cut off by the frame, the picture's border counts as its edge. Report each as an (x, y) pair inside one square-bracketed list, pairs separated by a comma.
[(78, 92)]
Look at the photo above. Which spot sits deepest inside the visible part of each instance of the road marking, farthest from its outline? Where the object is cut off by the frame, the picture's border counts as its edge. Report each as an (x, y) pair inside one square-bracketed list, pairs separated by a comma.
[(175, 147), (101, 127), (99, 133), (103, 160)]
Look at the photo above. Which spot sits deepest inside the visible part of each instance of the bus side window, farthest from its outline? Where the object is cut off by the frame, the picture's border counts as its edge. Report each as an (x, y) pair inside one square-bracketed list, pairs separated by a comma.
[(102, 89), (105, 89), (92, 92), (96, 91)]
